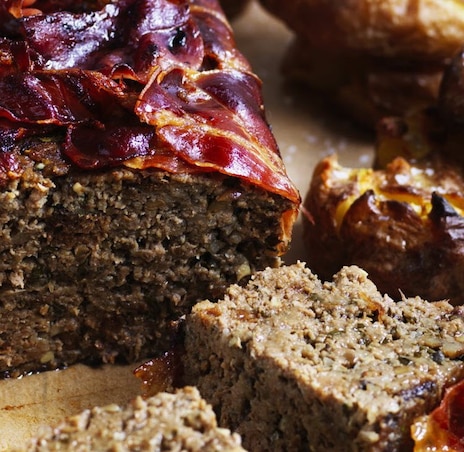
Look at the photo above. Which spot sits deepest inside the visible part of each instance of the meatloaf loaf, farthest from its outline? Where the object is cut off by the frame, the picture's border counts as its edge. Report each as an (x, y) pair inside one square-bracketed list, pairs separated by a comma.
[(138, 174), (100, 265), (180, 421), (293, 364)]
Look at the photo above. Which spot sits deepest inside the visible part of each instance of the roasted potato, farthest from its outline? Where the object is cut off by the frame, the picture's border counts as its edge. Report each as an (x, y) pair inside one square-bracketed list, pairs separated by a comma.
[(450, 111), (420, 29), (403, 224), (373, 57), (364, 87), (403, 219), (435, 130)]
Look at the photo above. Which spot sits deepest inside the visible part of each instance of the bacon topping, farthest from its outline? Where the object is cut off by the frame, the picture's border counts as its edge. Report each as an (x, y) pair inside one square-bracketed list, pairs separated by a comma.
[(141, 83)]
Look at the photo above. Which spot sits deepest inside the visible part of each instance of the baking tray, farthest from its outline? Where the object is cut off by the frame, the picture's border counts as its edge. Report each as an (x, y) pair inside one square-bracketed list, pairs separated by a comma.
[(306, 129)]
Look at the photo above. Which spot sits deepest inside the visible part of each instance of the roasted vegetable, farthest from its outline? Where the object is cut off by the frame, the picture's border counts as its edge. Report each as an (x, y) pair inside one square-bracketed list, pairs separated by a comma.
[(365, 88), (403, 219), (403, 224), (421, 29), (437, 129), (373, 57), (443, 429)]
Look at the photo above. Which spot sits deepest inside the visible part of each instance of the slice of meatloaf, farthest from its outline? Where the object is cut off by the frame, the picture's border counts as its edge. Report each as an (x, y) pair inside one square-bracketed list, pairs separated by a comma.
[(293, 364), (180, 421), (100, 265)]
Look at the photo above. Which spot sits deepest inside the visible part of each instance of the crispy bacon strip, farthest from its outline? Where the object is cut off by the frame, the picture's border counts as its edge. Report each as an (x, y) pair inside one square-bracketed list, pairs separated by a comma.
[(212, 120), (143, 83), (61, 98)]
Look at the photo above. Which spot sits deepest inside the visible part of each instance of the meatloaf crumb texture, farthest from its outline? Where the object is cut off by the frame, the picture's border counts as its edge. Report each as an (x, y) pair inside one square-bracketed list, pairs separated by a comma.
[(293, 364), (178, 422), (99, 266)]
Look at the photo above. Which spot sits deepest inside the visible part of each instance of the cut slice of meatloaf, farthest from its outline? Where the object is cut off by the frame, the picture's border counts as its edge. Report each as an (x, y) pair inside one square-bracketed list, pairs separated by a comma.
[(293, 364), (100, 265), (180, 421)]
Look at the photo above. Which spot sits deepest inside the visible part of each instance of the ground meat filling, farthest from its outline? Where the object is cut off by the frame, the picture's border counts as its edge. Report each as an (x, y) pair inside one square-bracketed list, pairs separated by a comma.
[(99, 266), (292, 363), (179, 421)]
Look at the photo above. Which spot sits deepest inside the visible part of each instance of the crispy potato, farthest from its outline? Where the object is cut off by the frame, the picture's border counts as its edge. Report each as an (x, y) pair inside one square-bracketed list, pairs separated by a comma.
[(373, 57), (366, 88), (418, 29), (401, 220), (451, 111), (416, 136), (437, 129), (403, 224)]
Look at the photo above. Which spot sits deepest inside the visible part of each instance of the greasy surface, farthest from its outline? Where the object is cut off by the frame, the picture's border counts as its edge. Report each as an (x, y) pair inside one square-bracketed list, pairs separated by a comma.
[(305, 130), (294, 364), (442, 429), (181, 421)]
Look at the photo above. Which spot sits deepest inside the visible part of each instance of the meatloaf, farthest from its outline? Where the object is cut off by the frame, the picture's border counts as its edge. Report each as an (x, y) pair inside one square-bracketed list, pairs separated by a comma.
[(138, 174), (180, 421), (293, 364), (99, 266)]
